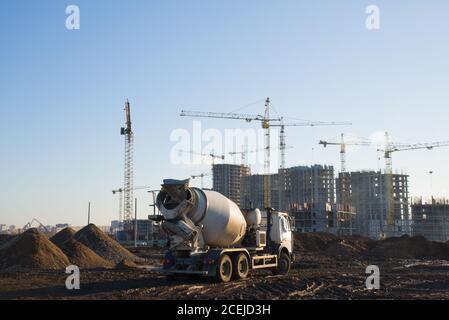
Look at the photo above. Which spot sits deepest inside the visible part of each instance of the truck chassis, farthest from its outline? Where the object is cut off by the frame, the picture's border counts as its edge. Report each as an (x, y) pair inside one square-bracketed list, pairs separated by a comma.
[(225, 264)]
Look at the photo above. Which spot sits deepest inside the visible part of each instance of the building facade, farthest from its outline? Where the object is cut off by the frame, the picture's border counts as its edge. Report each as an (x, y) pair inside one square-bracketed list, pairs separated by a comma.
[(367, 192), (431, 220), (253, 191), (309, 193), (227, 180)]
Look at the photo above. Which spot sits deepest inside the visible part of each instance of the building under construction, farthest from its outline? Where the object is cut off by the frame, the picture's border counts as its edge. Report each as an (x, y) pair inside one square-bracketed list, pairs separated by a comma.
[(228, 180), (431, 219), (345, 220), (253, 191), (308, 192), (367, 192)]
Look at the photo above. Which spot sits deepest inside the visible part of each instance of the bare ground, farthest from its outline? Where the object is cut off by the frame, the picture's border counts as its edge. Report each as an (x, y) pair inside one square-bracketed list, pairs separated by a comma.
[(313, 276)]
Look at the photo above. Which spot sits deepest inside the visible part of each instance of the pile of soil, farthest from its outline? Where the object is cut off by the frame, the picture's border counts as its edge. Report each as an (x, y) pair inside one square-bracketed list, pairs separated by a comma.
[(313, 242), (406, 247), (63, 236), (31, 250), (103, 245), (82, 256), (331, 245)]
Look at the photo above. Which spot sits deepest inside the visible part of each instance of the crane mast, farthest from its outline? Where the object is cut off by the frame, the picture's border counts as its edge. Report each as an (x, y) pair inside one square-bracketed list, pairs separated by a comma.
[(389, 186), (343, 154), (128, 133), (266, 177)]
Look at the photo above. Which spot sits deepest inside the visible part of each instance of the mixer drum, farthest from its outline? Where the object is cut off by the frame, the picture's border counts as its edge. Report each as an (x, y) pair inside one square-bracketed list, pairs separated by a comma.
[(223, 224)]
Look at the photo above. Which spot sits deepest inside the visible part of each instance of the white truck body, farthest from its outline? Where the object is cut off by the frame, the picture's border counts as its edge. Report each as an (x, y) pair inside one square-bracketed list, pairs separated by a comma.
[(210, 235)]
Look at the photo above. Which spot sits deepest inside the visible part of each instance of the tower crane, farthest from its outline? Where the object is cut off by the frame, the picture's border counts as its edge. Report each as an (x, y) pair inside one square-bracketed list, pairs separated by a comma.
[(343, 145), (267, 122), (128, 174)]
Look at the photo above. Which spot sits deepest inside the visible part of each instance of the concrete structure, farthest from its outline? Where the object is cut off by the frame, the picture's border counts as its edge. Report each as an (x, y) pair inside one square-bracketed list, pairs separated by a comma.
[(345, 220), (308, 219), (367, 192), (227, 180), (253, 191), (431, 220), (309, 191)]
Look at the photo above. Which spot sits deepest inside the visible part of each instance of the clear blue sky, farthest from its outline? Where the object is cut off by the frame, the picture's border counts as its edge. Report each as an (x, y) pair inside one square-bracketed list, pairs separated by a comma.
[(62, 91)]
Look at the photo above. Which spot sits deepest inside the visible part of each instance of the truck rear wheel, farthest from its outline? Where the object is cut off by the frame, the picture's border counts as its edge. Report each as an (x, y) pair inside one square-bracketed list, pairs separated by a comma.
[(240, 267), (224, 269), (283, 267)]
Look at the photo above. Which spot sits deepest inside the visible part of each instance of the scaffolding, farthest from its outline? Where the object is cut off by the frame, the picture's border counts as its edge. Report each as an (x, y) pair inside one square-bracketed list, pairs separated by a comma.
[(345, 218), (308, 219)]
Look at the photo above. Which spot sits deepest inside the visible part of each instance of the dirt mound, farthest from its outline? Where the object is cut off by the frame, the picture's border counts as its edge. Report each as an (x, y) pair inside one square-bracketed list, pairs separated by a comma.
[(82, 256), (63, 236), (406, 247), (313, 242), (342, 248), (332, 245), (126, 264), (32, 250), (103, 245)]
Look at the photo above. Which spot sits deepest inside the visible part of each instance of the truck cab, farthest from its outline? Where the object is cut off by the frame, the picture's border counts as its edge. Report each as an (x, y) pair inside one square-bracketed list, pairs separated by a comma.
[(281, 231)]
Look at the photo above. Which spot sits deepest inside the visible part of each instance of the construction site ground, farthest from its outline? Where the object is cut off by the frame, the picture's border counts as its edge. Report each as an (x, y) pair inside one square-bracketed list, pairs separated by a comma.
[(313, 276)]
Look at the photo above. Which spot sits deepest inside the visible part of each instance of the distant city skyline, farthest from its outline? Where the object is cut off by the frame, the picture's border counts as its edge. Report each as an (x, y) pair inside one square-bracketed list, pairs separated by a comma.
[(63, 91)]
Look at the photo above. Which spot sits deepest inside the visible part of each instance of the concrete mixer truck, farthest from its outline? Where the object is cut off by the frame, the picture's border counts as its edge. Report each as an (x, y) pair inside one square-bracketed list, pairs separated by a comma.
[(210, 236)]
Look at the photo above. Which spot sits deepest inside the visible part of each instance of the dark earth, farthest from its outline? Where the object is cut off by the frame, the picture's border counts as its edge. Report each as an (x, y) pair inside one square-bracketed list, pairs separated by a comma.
[(313, 276)]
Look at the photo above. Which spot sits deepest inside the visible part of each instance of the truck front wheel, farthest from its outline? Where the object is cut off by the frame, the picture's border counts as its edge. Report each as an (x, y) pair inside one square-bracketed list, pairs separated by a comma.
[(224, 269), (241, 267), (283, 267)]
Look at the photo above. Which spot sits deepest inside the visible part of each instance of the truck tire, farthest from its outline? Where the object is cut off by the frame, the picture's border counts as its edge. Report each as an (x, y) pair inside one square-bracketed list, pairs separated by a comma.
[(284, 264), (224, 269), (240, 267)]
